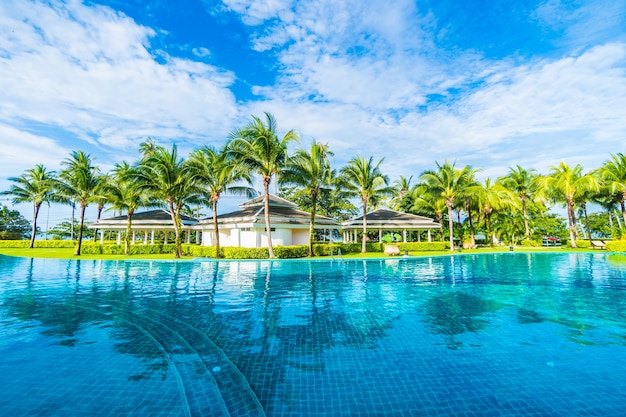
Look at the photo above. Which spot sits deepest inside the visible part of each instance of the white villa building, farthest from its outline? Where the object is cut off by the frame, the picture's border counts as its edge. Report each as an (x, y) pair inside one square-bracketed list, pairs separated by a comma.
[(246, 227)]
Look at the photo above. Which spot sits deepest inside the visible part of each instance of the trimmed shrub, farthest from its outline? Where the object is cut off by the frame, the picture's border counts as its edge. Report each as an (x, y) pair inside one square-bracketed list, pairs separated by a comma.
[(39, 243), (424, 246), (245, 253), (201, 251), (290, 252), (616, 245), (583, 244), (530, 243)]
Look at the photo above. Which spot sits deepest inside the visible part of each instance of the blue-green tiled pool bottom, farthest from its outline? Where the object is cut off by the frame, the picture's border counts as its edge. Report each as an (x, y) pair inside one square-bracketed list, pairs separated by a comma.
[(489, 335)]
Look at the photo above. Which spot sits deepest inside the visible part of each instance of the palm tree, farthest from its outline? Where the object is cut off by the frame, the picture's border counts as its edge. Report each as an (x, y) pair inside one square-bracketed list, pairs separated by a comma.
[(522, 182), (492, 197), (36, 186), (401, 188), (166, 177), (123, 192), (217, 173), (101, 199), (81, 179), (425, 203), (312, 171), (613, 173), (365, 180), (257, 146), (566, 185), (448, 183)]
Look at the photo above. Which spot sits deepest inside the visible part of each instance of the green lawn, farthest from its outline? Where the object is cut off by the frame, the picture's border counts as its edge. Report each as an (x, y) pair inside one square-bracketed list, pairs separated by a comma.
[(68, 253)]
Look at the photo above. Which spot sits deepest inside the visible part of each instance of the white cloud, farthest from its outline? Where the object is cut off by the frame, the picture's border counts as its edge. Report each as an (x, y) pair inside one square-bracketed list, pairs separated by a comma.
[(88, 70)]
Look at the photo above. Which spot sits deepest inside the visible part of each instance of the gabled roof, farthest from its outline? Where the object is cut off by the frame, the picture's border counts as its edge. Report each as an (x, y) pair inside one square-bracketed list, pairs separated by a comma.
[(388, 218), (281, 212), (274, 201), (152, 218)]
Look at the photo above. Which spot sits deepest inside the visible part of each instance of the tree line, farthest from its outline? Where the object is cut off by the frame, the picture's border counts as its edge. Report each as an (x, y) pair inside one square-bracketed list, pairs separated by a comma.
[(511, 207)]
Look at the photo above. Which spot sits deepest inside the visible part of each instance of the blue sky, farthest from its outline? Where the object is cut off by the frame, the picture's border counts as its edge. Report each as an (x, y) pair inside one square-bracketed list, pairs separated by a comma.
[(489, 83)]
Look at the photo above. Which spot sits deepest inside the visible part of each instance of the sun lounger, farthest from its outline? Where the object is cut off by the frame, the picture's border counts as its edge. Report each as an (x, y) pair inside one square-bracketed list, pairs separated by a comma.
[(598, 244)]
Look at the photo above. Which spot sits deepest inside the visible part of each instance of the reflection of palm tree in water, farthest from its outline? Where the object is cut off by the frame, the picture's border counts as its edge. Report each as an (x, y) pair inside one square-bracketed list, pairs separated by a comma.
[(456, 313)]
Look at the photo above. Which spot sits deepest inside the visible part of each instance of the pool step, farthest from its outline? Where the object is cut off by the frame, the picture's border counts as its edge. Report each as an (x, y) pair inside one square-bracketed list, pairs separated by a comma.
[(235, 389), (198, 361)]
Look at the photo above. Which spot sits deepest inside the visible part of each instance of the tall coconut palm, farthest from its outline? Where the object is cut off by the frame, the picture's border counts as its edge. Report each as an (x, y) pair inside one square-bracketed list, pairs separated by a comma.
[(448, 183), (310, 170), (565, 184), (258, 146), (217, 173), (166, 177), (364, 179), (401, 188), (81, 180), (521, 182), (36, 186), (613, 173), (493, 196), (425, 203), (469, 199), (123, 193)]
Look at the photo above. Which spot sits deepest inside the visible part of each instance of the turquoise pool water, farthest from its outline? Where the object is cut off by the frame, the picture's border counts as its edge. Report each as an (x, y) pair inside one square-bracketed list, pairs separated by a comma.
[(472, 335)]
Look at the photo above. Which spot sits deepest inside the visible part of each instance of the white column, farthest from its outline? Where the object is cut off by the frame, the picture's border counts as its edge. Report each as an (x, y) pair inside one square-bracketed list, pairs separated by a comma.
[(165, 239), (330, 236), (152, 236), (404, 235), (429, 237), (198, 236), (419, 235), (145, 237), (119, 237), (188, 237), (380, 235), (133, 242), (101, 236)]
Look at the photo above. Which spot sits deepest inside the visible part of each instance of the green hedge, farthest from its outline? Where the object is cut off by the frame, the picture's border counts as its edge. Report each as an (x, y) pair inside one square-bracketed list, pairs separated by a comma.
[(201, 251), (39, 243), (423, 246), (530, 243), (324, 249), (616, 245), (91, 248), (290, 252), (583, 244), (245, 253)]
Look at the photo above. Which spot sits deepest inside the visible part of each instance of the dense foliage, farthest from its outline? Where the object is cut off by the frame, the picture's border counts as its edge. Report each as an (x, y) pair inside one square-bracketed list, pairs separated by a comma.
[(13, 226), (512, 209)]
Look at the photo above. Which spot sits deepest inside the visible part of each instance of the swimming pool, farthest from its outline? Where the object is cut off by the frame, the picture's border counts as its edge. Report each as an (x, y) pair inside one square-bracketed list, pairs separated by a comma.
[(508, 334)]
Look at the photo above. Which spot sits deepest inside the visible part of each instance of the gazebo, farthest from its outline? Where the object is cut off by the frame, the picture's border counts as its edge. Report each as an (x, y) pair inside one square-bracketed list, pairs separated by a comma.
[(387, 220), (145, 223)]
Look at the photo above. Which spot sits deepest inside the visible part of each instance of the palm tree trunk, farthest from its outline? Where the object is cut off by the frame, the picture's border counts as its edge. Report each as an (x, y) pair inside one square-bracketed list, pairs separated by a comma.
[(471, 225), (623, 207), (80, 229), (217, 232), (312, 224), (451, 227), (268, 229), (526, 225), (129, 228), (363, 243), (571, 216), (34, 231), (174, 213), (584, 206), (95, 231)]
